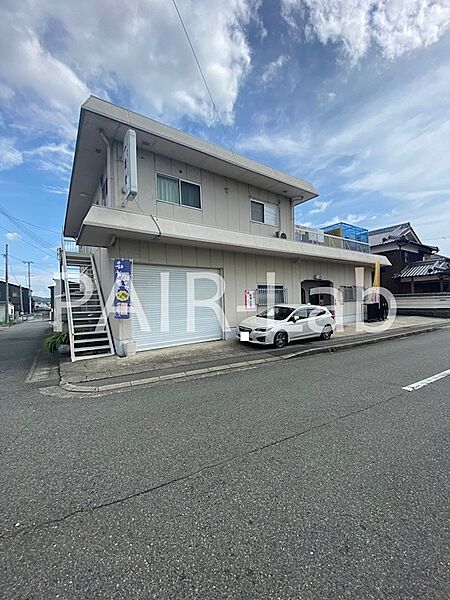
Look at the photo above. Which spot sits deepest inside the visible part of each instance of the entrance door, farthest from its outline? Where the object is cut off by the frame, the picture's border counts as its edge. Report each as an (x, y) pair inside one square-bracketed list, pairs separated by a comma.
[(161, 314), (322, 298)]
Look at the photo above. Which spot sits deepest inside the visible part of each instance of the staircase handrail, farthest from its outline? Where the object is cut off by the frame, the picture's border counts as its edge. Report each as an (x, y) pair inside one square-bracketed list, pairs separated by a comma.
[(68, 303), (102, 304)]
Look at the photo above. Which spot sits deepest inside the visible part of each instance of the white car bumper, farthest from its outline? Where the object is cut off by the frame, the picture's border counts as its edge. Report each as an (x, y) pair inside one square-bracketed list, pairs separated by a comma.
[(256, 337)]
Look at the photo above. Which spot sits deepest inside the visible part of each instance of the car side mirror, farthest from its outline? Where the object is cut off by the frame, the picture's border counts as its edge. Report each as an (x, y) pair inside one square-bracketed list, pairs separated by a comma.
[(295, 318)]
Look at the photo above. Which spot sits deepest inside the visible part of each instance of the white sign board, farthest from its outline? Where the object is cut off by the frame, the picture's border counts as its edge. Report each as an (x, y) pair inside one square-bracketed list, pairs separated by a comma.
[(130, 186), (250, 299)]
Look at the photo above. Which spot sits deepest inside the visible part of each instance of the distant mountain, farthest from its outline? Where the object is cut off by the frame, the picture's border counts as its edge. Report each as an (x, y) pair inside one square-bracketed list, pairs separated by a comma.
[(41, 299)]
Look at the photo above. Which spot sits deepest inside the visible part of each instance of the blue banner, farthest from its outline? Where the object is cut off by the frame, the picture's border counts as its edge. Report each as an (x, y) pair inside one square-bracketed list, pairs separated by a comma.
[(122, 287)]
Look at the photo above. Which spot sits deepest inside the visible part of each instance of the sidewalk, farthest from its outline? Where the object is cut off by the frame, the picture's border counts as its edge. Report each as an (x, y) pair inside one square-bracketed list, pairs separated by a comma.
[(211, 357)]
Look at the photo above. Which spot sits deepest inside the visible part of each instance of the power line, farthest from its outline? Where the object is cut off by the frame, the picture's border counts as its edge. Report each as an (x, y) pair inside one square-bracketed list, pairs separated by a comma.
[(12, 272), (21, 260), (204, 79), (24, 229), (32, 245), (39, 227)]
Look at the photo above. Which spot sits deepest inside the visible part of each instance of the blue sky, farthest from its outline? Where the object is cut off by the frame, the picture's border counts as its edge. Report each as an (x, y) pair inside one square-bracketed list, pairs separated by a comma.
[(351, 95)]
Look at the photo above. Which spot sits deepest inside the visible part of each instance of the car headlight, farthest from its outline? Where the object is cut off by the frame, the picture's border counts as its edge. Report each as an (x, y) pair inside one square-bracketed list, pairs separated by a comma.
[(263, 328)]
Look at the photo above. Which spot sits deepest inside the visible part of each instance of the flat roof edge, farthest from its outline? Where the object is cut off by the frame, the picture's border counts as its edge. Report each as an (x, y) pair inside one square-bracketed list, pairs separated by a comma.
[(123, 115)]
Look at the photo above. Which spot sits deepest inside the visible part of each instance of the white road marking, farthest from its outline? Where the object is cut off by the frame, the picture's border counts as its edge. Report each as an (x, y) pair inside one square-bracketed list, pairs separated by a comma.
[(424, 382)]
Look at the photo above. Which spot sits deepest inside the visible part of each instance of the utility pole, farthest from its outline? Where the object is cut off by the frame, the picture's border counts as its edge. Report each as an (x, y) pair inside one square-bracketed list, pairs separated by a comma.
[(6, 286), (21, 299), (29, 263)]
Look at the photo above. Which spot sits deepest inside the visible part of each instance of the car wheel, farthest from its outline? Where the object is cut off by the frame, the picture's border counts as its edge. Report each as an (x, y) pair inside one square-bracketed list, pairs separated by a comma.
[(326, 333), (281, 339)]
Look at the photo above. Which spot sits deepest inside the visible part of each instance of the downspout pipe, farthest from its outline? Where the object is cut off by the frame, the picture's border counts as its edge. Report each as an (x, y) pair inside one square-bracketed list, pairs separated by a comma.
[(108, 164)]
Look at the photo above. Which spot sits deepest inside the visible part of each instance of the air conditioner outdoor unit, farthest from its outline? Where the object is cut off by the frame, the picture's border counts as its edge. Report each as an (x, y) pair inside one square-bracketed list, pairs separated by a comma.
[(281, 234)]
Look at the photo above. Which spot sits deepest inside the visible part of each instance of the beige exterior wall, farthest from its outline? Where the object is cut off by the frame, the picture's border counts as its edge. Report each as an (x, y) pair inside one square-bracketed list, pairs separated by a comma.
[(225, 202), (240, 272)]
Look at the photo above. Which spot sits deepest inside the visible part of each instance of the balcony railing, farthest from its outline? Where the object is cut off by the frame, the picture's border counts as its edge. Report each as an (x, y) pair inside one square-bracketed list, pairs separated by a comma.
[(70, 245), (319, 237)]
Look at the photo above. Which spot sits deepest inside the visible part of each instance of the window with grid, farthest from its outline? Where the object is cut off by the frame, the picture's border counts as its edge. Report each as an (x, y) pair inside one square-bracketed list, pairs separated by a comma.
[(264, 212), (271, 293), (348, 293), (177, 191)]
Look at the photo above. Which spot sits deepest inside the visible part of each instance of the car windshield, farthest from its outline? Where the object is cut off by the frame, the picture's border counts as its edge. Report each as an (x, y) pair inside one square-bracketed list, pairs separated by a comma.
[(277, 313)]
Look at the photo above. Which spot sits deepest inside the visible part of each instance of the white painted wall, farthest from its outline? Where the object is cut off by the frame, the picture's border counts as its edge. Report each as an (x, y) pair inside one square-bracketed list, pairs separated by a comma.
[(240, 272), (225, 202)]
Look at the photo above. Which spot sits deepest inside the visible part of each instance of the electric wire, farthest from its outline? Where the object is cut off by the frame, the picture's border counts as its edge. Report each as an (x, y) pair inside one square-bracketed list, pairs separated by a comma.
[(32, 245), (24, 229), (204, 79)]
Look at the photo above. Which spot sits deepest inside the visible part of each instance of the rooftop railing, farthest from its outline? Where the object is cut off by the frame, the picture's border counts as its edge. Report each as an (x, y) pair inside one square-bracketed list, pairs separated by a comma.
[(319, 237), (70, 245)]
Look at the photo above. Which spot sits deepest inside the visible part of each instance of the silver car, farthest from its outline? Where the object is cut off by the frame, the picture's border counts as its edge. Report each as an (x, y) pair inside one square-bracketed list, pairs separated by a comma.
[(282, 323)]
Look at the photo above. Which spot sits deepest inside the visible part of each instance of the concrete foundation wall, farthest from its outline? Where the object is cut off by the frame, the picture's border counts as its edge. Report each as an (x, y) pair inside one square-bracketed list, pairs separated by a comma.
[(426, 305)]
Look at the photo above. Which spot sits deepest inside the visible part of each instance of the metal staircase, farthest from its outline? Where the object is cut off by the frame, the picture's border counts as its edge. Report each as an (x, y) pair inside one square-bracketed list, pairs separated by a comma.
[(87, 318)]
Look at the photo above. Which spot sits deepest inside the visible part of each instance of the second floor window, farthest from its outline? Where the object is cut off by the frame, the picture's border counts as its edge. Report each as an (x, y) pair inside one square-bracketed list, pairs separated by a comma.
[(178, 191), (264, 212)]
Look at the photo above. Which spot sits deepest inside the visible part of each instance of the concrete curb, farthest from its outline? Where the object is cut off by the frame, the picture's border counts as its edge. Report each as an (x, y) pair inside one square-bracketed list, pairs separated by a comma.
[(70, 387)]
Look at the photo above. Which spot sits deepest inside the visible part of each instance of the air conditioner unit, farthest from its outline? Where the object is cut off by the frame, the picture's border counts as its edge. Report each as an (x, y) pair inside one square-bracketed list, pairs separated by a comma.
[(281, 234)]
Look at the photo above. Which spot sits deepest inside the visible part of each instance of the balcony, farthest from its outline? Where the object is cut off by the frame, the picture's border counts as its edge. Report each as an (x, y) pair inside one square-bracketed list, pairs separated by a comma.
[(319, 237), (103, 225)]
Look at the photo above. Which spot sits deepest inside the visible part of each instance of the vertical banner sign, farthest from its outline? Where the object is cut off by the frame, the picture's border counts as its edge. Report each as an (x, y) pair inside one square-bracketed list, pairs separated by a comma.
[(250, 299), (122, 287)]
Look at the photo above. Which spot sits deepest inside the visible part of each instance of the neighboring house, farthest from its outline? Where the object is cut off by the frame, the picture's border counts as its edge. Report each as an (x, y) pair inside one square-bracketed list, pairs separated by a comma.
[(426, 276), (402, 246), (14, 297), (192, 208)]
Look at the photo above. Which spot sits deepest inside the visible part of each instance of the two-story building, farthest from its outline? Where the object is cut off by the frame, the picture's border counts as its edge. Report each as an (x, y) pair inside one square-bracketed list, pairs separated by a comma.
[(185, 210), (412, 262)]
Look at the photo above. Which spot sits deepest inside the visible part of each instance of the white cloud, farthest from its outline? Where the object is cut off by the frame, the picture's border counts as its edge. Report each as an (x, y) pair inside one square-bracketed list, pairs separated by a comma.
[(353, 219), (12, 235), (395, 26), (58, 52), (276, 144), (52, 189), (410, 156), (272, 68), (29, 68), (10, 156), (56, 158), (319, 206), (6, 93)]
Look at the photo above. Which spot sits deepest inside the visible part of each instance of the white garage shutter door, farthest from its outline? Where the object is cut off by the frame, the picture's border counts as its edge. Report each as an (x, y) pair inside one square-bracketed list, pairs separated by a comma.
[(163, 297)]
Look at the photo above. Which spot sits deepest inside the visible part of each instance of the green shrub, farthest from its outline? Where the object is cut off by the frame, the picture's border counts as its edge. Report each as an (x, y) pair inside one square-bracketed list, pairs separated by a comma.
[(54, 341)]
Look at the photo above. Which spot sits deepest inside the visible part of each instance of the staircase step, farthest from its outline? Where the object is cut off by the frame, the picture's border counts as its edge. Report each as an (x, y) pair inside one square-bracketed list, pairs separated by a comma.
[(84, 260), (101, 332), (88, 304), (88, 318), (103, 339), (91, 348), (81, 295)]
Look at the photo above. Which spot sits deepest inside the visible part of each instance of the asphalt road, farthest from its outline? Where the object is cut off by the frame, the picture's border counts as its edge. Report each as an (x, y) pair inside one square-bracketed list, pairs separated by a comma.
[(312, 478)]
